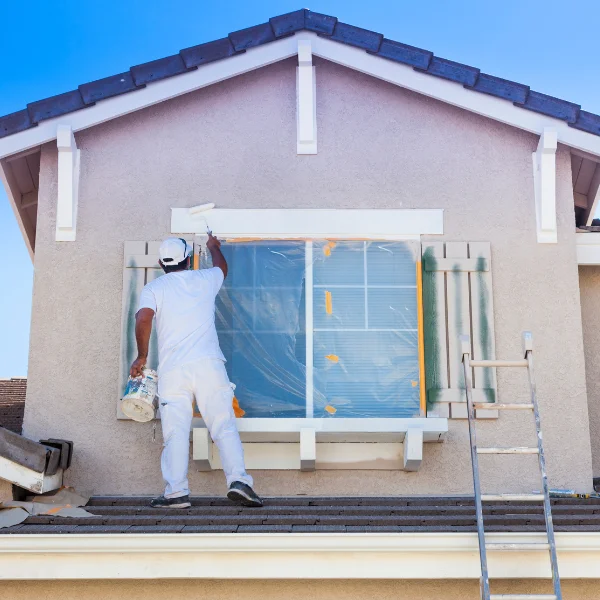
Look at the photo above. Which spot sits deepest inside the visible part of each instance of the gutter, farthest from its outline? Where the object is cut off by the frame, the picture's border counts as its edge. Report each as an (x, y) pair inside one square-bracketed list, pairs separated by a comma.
[(291, 556)]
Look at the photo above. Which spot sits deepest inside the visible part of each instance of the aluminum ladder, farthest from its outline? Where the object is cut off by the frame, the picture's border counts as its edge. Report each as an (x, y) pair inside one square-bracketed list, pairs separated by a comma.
[(526, 363)]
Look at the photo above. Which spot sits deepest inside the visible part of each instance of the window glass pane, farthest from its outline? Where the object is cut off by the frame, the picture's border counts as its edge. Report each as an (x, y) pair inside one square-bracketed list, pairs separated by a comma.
[(336, 308), (362, 310), (338, 263), (391, 263), (366, 359), (258, 322), (366, 374), (392, 308)]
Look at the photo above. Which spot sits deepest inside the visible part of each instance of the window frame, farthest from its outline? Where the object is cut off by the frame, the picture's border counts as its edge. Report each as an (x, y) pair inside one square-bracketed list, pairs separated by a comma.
[(401, 225)]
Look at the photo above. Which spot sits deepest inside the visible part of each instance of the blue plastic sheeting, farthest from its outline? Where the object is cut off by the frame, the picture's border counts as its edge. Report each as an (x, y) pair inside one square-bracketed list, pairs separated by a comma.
[(362, 312)]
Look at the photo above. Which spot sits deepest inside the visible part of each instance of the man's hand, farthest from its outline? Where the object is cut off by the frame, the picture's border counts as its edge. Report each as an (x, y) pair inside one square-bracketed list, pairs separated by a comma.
[(213, 243), (137, 368)]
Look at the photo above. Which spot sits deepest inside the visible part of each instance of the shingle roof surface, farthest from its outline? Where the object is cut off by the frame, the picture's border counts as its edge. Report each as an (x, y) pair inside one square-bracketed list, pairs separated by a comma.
[(303, 514), (12, 403), (188, 59)]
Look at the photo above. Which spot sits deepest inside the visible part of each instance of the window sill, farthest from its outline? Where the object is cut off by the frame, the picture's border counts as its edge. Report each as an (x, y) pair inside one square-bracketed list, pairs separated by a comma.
[(309, 444)]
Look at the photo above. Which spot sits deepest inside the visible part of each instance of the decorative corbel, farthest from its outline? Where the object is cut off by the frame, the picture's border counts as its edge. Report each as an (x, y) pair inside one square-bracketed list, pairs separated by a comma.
[(306, 100), (68, 184), (544, 181)]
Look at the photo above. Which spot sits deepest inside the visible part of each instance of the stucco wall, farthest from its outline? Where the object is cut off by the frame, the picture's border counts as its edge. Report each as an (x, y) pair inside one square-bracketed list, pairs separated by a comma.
[(589, 284), (292, 590), (234, 143)]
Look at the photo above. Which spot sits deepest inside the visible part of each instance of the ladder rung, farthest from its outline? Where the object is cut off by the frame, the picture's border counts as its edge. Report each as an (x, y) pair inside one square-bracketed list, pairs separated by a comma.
[(522, 597), (501, 546), (494, 406), (515, 497), (507, 451), (498, 363)]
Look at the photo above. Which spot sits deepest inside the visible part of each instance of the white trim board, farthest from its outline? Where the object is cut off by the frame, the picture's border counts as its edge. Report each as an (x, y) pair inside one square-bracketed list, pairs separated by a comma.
[(290, 556), (310, 223), (255, 58), (588, 248)]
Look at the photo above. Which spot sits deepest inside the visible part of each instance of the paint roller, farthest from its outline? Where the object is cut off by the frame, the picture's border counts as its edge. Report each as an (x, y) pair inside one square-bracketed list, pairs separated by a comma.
[(197, 212)]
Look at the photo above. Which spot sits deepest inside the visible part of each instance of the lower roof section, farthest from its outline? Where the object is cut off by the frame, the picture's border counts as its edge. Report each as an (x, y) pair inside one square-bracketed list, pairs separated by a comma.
[(301, 538)]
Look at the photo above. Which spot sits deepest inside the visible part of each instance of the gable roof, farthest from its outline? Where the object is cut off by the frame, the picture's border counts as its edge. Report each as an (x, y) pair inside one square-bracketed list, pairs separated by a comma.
[(189, 59)]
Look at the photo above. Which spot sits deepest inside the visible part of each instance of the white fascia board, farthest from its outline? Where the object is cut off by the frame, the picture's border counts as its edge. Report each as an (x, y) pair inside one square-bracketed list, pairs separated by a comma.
[(255, 58), (311, 223), (153, 93), (588, 248), (290, 556)]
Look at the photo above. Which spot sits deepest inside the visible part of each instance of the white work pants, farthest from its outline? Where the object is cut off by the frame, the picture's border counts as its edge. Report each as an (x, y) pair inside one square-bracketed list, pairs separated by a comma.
[(205, 380)]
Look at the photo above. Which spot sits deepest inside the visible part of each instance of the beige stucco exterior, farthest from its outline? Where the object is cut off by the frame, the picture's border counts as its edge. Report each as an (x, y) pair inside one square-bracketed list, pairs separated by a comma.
[(293, 590), (235, 144), (589, 284)]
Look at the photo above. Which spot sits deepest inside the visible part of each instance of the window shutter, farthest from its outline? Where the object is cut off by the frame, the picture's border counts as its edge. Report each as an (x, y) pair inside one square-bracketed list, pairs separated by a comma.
[(140, 266), (457, 300)]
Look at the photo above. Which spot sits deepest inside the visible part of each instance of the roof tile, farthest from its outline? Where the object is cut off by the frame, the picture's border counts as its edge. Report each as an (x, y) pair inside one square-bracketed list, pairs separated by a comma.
[(15, 122), (158, 69), (448, 69), (55, 106), (108, 87), (206, 53), (586, 121), (551, 106), (409, 55), (320, 23), (503, 88), (355, 36), (284, 25), (252, 36)]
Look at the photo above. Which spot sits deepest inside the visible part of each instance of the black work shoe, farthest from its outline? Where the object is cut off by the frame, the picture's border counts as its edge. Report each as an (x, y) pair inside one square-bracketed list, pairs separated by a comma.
[(243, 494), (179, 502)]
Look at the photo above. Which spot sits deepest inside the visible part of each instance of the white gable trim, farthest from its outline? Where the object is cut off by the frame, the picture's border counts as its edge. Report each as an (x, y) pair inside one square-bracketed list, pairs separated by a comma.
[(354, 58)]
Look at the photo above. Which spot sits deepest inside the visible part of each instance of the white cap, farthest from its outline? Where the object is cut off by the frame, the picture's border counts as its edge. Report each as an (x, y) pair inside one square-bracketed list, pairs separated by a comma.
[(173, 251)]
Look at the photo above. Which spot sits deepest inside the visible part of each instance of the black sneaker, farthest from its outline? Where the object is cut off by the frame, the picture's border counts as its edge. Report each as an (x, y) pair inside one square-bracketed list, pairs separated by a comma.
[(243, 494), (179, 502)]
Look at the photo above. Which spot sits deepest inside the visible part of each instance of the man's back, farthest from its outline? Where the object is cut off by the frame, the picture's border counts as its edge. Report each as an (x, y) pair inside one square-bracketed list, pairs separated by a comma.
[(184, 304)]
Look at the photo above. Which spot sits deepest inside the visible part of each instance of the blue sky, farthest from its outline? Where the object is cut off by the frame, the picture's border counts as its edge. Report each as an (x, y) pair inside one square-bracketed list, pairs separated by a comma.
[(50, 47)]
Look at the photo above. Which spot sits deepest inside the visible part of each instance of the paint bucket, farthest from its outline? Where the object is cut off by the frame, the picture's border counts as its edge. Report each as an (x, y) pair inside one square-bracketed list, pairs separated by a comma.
[(139, 402)]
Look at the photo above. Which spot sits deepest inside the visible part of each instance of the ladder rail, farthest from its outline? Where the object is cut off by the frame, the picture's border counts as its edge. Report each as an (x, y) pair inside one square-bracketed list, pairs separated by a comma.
[(542, 465), (484, 581), (468, 365)]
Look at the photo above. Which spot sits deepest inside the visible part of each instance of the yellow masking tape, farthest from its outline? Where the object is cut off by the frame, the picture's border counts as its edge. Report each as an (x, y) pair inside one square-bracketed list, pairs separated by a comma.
[(328, 303)]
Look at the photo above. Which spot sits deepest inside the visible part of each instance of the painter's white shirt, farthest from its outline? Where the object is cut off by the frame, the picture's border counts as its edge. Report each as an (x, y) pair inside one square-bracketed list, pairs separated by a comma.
[(184, 306)]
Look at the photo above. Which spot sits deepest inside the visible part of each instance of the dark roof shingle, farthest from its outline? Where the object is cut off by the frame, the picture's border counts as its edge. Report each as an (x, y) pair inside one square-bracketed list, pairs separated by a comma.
[(304, 514), (282, 26), (12, 403)]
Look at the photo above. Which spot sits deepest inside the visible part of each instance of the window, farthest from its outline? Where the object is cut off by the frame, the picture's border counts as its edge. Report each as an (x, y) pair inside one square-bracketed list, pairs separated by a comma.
[(322, 328)]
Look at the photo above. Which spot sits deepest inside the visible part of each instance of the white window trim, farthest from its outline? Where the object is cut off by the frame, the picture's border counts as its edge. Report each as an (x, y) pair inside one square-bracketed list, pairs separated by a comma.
[(290, 556), (309, 445), (315, 223)]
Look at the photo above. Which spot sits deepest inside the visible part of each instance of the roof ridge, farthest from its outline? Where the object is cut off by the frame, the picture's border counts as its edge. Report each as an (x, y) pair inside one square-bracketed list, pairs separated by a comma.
[(189, 59)]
